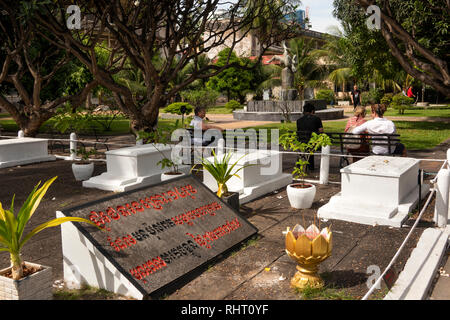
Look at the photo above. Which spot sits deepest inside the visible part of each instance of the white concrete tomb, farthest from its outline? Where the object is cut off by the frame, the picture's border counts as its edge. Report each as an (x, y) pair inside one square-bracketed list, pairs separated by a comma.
[(265, 174), (83, 263), (20, 151), (376, 190), (132, 167)]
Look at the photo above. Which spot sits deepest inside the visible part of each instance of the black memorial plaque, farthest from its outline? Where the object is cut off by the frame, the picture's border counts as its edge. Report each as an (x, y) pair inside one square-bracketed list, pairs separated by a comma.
[(154, 235)]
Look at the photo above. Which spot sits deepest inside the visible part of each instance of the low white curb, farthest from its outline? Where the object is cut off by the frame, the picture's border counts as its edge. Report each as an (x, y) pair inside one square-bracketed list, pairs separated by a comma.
[(416, 278)]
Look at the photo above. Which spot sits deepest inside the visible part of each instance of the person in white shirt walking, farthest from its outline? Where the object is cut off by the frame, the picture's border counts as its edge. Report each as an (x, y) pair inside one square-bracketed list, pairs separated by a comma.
[(380, 125)]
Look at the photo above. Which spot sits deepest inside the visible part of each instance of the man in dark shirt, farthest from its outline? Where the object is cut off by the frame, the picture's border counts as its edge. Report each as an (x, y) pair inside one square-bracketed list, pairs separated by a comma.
[(356, 97), (307, 124)]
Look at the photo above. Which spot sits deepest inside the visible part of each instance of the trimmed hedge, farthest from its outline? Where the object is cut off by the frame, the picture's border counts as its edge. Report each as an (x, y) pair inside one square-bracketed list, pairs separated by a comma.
[(401, 103), (325, 94), (175, 107), (233, 105)]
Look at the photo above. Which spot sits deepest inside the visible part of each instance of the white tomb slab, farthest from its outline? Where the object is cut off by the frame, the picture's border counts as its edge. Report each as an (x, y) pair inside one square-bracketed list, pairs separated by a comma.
[(264, 175), (132, 167), (376, 190), (20, 151)]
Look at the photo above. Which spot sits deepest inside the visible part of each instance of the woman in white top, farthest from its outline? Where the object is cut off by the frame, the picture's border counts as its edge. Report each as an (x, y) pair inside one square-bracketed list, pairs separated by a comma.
[(380, 125)]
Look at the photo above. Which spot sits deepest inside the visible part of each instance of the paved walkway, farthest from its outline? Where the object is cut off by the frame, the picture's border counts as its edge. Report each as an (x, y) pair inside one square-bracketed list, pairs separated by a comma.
[(226, 121), (259, 270)]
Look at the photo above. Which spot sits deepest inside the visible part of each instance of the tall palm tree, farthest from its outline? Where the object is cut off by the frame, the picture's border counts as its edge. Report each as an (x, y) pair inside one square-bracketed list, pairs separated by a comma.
[(334, 55), (309, 69)]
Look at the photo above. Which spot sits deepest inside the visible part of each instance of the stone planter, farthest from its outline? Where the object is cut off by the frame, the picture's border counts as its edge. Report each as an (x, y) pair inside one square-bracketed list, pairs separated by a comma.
[(37, 286), (301, 198), (232, 198), (82, 171), (169, 175)]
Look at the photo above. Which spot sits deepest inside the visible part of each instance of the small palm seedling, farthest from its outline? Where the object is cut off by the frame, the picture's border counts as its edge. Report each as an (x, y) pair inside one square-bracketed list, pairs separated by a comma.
[(12, 226), (222, 170)]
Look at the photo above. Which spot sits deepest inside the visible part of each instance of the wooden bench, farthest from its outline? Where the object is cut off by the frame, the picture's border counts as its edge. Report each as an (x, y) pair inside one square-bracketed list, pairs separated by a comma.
[(191, 133), (242, 138), (343, 139), (90, 133)]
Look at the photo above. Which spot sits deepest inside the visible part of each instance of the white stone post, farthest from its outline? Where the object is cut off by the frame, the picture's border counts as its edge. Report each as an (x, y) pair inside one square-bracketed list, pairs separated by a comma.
[(73, 146), (442, 197), (20, 134), (324, 165), (220, 147)]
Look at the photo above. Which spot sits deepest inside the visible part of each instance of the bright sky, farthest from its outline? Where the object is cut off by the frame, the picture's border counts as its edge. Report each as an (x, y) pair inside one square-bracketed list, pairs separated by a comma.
[(320, 14)]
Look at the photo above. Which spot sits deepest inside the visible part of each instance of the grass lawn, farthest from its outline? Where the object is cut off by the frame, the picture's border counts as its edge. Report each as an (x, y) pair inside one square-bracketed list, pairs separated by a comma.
[(219, 110), (440, 113), (415, 135), (9, 125), (210, 110), (118, 126)]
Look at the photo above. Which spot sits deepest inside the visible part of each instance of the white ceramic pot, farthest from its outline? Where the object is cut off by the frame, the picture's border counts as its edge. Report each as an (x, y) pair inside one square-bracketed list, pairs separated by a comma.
[(301, 198), (167, 176), (82, 171)]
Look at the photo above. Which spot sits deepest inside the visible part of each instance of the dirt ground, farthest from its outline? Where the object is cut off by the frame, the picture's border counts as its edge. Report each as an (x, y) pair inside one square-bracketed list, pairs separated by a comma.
[(260, 269)]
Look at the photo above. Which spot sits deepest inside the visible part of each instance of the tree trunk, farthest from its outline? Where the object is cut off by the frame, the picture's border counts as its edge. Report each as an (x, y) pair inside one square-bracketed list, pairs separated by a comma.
[(16, 266), (31, 126)]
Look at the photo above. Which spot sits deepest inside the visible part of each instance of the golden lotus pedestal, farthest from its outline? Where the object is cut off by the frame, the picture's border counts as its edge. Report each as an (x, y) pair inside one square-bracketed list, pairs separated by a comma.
[(308, 249), (306, 276)]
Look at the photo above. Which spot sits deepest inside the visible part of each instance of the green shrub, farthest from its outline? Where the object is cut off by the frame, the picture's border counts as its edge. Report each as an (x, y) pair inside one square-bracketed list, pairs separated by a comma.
[(175, 107), (365, 98), (233, 105), (375, 95), (203, 98), (401, 103), (325, 94), (387, 99)]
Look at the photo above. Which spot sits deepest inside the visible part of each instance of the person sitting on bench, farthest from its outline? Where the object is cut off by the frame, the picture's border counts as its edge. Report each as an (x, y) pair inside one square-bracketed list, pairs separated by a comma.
[(307, 124), (380, 125), (354, 148), (198, 124)]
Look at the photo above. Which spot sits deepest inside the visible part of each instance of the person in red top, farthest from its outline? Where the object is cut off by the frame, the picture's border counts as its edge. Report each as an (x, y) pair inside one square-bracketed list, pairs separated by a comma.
[(353, 122), (410, 92), (357, 119)]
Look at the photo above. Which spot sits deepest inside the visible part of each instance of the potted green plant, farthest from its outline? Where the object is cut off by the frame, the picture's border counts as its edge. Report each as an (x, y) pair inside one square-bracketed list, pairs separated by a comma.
[(25, 280), (222, 171), (160, 138), (174, 171), (301, 195), (83, 168)]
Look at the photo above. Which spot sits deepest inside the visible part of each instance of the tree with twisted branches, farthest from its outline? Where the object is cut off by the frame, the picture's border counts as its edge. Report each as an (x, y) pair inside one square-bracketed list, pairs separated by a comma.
[(35, 69), (179, 32), (416, 33)]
